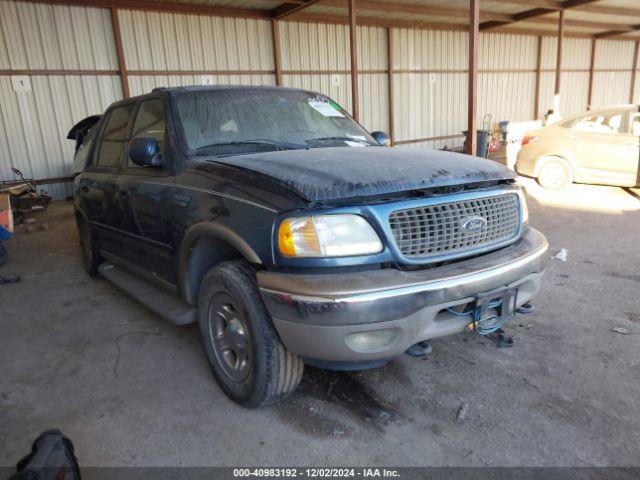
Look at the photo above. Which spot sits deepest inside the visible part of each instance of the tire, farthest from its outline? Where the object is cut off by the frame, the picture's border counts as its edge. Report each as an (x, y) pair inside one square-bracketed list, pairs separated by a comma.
[(555, 174), (4, 255), (90, 256), (244, 352)]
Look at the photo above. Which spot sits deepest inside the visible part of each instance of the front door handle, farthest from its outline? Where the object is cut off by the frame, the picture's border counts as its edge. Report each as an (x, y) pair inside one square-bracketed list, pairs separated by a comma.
[(84, 189), (123, 193)]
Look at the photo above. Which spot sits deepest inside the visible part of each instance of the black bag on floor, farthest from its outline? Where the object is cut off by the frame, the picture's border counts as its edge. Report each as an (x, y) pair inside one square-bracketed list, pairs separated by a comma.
[(51, 458)]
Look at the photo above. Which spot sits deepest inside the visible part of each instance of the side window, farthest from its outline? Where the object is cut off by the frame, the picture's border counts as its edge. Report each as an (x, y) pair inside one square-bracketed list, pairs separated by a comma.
[(599, 123), (114, 137), (149, 123)]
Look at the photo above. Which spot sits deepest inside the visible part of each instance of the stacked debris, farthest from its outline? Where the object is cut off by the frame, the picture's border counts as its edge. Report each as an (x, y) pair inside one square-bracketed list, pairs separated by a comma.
[(25, 200)]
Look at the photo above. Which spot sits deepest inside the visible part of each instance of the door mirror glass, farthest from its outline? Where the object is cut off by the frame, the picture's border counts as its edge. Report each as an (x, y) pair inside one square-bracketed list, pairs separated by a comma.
[(145, 152), (382, 138)]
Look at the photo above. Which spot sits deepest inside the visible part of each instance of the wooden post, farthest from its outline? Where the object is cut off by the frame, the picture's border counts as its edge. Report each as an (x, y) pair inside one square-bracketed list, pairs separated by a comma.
[(472, 111), (591, 67), (633, 72), (117, 37), (275, 36), (390, 84), (355, 102), (536, 105), (556, 90)]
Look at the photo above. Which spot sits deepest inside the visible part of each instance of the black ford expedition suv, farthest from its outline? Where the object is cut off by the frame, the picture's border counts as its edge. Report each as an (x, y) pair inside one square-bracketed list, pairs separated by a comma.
[(292, 235)]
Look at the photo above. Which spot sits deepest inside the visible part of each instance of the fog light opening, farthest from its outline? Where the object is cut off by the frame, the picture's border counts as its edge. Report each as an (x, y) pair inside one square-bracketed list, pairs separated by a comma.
[(373, 340)]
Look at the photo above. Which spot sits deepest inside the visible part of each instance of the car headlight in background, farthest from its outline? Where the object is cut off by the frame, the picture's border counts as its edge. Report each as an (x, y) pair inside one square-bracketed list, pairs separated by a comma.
[(327, 236)]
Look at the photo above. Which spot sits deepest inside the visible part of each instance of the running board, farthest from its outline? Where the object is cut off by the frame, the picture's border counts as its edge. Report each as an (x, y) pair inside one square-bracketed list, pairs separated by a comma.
[(168, 306)]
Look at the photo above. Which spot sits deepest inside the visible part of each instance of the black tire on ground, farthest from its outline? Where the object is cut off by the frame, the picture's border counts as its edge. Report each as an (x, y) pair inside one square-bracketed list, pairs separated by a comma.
[(4, 256), (555, 174), (244, 352), (90, 256)]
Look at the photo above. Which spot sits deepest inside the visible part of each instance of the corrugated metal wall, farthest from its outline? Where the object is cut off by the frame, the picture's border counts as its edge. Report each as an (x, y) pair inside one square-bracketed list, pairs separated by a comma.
[(611, 85), (574, 83), (430, 73), (34, 124), (430, 83)]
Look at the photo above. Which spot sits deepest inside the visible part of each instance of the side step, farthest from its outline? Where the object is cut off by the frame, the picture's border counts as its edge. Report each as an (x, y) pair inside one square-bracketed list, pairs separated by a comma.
[(154, 298)]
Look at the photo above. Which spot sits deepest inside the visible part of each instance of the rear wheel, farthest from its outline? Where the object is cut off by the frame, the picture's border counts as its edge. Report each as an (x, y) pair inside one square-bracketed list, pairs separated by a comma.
[(555, 174), (242, 347), (90, 256)]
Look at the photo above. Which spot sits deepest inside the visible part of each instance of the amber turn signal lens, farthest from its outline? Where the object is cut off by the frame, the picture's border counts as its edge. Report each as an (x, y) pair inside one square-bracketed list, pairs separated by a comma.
[(285, 240)]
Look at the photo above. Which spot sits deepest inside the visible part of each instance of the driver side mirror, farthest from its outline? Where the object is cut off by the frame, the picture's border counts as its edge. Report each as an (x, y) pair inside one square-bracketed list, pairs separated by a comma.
[(145, 152), (382, 138)]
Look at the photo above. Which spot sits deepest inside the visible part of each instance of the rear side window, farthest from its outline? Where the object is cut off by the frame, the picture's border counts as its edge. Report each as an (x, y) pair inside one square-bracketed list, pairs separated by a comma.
[(149, 123), (609, 122), (114, 137)]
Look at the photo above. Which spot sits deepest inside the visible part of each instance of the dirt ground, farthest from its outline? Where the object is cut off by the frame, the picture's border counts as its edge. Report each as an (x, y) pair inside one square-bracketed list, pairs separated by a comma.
[(130, 389)]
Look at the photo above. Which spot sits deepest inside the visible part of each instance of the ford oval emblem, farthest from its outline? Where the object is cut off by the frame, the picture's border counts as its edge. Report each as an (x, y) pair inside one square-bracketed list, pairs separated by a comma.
[(473, 224)]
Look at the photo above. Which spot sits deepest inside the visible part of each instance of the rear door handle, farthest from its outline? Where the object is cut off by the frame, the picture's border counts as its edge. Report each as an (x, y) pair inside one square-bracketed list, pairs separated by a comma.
[(124, 193), (84, 189)]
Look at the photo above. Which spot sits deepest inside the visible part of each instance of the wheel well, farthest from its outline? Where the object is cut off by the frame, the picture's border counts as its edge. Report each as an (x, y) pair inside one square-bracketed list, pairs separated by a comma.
[(547, 158), (205, 253)]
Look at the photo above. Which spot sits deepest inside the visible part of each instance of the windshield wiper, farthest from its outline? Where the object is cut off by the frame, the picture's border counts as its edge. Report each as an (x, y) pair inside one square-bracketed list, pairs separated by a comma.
[(345, 138), (257, 141)]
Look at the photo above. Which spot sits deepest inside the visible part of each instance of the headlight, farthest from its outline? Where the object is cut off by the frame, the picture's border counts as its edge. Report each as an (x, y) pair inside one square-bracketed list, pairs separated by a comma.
[(327, 236), (523, 206)]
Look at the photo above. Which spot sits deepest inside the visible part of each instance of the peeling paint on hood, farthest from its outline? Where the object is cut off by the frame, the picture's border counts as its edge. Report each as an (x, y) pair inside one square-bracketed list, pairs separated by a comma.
[(342, 172)]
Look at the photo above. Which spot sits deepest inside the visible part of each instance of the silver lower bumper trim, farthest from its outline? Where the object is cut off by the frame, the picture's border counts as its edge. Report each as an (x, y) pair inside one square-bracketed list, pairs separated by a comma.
[(383, 295)]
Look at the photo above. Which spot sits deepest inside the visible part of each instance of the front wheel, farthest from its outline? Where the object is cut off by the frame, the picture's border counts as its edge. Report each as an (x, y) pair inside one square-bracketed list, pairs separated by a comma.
[(555, 174), (4, 256), (242, 347)]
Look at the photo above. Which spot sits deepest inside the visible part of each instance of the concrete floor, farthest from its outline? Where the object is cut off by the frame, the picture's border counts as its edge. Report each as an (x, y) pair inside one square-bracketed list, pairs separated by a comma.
[(129, 389)]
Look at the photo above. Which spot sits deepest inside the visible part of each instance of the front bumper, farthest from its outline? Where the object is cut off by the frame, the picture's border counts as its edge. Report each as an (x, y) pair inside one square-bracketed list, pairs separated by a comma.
[(316, 315)]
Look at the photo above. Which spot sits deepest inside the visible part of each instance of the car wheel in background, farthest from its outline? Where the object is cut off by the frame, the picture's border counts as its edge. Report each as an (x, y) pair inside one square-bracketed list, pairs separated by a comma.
[(90, 255), (555, 173), (246, 356)]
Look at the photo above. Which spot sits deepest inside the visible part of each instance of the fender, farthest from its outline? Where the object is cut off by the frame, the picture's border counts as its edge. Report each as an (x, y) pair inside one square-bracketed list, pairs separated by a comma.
[(209, 230)]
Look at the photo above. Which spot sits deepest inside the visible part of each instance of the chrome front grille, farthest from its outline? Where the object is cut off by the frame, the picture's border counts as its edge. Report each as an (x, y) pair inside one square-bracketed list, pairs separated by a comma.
[(452, 228)]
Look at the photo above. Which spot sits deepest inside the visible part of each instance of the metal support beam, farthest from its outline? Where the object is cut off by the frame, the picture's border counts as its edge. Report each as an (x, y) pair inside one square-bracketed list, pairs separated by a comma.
[(122, 67), (535, 12), (390, 85), (632, 88), (591, 68), (286, 9), (556, 90), (472, 111), (275, 38), (536, 105), (353, 46)]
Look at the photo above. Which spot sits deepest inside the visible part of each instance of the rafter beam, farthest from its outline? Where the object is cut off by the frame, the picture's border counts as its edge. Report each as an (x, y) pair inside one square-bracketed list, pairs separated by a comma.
[(556, 5), (289, 8), (535, 12), (154, 6), (617, 32), (430, 10), (365, 6), (385, 22)]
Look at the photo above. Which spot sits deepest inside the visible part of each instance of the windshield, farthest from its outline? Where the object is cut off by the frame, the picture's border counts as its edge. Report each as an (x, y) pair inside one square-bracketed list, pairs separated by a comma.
[(237, 121)]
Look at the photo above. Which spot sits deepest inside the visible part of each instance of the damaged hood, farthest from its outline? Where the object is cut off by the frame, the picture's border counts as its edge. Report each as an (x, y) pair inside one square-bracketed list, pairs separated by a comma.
[(343, 172)]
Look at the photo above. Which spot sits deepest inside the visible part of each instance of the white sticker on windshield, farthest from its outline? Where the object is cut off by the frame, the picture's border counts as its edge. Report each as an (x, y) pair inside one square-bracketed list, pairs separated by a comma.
[(355, 144), (325, 107)]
